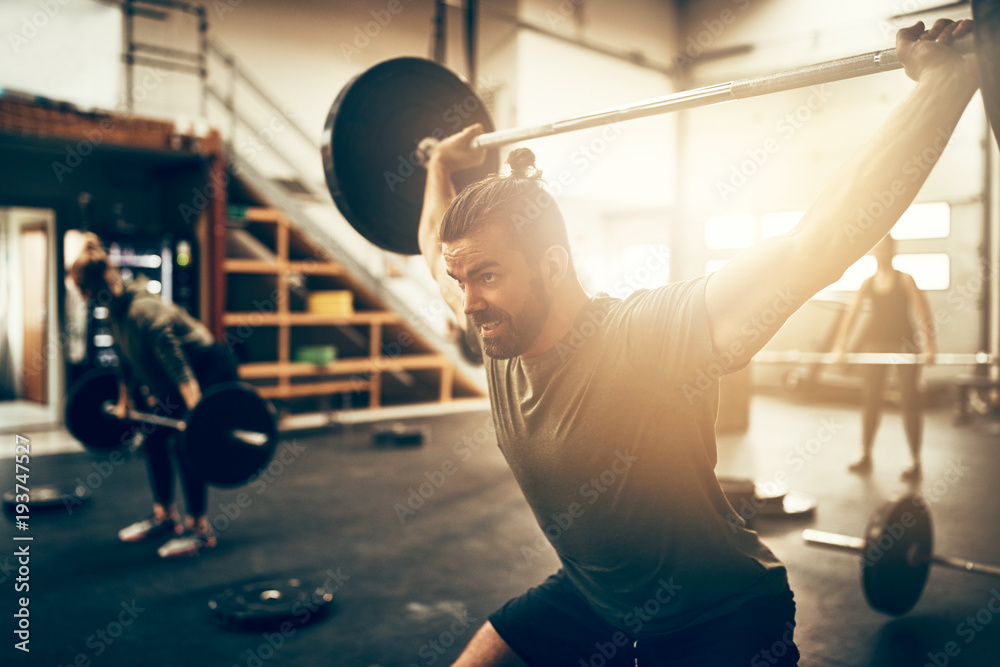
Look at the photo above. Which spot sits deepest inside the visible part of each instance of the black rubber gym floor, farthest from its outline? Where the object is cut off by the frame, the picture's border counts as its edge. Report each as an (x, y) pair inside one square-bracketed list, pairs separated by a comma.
[(411, 587)]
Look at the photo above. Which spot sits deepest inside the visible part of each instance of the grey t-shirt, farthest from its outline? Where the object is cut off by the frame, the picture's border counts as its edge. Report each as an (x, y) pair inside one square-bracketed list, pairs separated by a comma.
[(613, 445)]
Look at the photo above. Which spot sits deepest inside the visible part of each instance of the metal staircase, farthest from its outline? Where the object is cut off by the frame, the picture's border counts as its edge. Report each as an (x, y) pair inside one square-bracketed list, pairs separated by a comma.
[(276, 161)]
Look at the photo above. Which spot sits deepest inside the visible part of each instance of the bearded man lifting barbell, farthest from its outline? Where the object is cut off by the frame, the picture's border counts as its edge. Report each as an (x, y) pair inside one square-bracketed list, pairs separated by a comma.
[(164, 348), (651, 568)]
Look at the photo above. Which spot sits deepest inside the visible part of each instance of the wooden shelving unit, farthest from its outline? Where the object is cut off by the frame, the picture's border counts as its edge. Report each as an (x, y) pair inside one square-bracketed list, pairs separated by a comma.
[(265, 320)]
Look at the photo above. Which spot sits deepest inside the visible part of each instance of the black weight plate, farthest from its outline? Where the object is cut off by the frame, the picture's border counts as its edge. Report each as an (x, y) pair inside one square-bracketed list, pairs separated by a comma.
[(987, 20), (896, 560), (371, 133), (221, 459), (399, 435), (47, 497), (85, 416), (265, 605)]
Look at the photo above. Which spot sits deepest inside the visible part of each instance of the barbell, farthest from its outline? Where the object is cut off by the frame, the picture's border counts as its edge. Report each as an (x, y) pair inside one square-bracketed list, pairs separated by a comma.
[(872, 358), (381, 122), (897, 553), (229, 436)]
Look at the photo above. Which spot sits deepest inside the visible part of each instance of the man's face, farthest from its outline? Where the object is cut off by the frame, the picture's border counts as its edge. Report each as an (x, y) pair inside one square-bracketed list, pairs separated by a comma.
[(503, 296)]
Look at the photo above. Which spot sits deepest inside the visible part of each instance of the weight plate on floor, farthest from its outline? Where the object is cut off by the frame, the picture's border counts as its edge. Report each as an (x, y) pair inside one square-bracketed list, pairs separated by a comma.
[(46, 497), (793, 504), (208, 442), (896, 559), (85, 416), (266, 604), (399, 435), (370, 138), (771, 492)]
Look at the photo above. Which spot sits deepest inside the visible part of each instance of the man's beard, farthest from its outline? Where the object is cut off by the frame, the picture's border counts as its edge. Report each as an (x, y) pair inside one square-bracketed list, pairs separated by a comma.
[(521, 328)]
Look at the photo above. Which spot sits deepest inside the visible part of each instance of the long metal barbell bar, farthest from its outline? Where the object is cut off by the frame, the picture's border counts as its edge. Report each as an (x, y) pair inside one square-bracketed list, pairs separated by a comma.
[(384, 121), (839, 69), (872, 358), (896, 552), (857, 545), (253, 438)]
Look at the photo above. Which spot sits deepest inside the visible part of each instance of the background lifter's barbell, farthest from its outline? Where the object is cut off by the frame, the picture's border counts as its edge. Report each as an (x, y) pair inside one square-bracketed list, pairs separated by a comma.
[(872, 358), (228, 437), (370, 142), (897, 553)]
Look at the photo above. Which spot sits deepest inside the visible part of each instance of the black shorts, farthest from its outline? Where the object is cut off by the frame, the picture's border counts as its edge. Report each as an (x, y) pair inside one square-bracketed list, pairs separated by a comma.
[(552, 624)]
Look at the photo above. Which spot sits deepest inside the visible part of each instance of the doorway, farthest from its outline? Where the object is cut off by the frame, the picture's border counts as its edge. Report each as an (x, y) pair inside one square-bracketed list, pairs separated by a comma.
[(30, 357)]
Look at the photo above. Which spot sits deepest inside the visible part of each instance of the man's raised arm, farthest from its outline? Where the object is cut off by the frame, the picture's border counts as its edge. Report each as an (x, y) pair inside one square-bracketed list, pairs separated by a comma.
[(451, 155), (858, 208)]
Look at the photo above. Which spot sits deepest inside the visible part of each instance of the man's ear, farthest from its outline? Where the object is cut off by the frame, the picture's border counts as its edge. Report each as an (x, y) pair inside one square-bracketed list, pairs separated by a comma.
[(554, 266)]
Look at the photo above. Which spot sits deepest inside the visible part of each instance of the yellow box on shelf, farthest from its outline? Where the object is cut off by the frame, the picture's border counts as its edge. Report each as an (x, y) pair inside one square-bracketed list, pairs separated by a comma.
[(331, 302)]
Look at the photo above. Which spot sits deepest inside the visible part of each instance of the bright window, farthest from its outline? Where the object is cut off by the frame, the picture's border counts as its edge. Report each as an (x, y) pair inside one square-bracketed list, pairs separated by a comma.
[(646, 265), (713, 265), (924, 221), (729, 231), (776, 224), (931, 271), (854, 275)]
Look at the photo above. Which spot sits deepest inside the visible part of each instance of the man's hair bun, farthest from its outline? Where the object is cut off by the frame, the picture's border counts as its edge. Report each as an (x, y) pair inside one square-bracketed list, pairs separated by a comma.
[(522, 164)]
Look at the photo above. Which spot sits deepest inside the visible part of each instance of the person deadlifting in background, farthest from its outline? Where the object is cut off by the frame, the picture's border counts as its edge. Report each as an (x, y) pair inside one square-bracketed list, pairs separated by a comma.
[(652, 567), (162, 347)]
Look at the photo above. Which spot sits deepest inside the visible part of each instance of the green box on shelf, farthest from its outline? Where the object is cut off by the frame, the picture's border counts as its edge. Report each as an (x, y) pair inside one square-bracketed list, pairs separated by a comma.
[(320, 355)]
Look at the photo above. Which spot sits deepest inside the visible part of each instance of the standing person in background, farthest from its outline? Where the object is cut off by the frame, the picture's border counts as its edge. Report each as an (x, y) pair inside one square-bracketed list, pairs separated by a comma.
[(161, 346), (895, 298)]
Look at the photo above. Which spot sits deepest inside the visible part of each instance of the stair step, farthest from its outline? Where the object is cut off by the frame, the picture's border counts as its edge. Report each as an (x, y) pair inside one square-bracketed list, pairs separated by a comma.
[(314, 389), (257, 319), (344, 366), (261, 266)]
